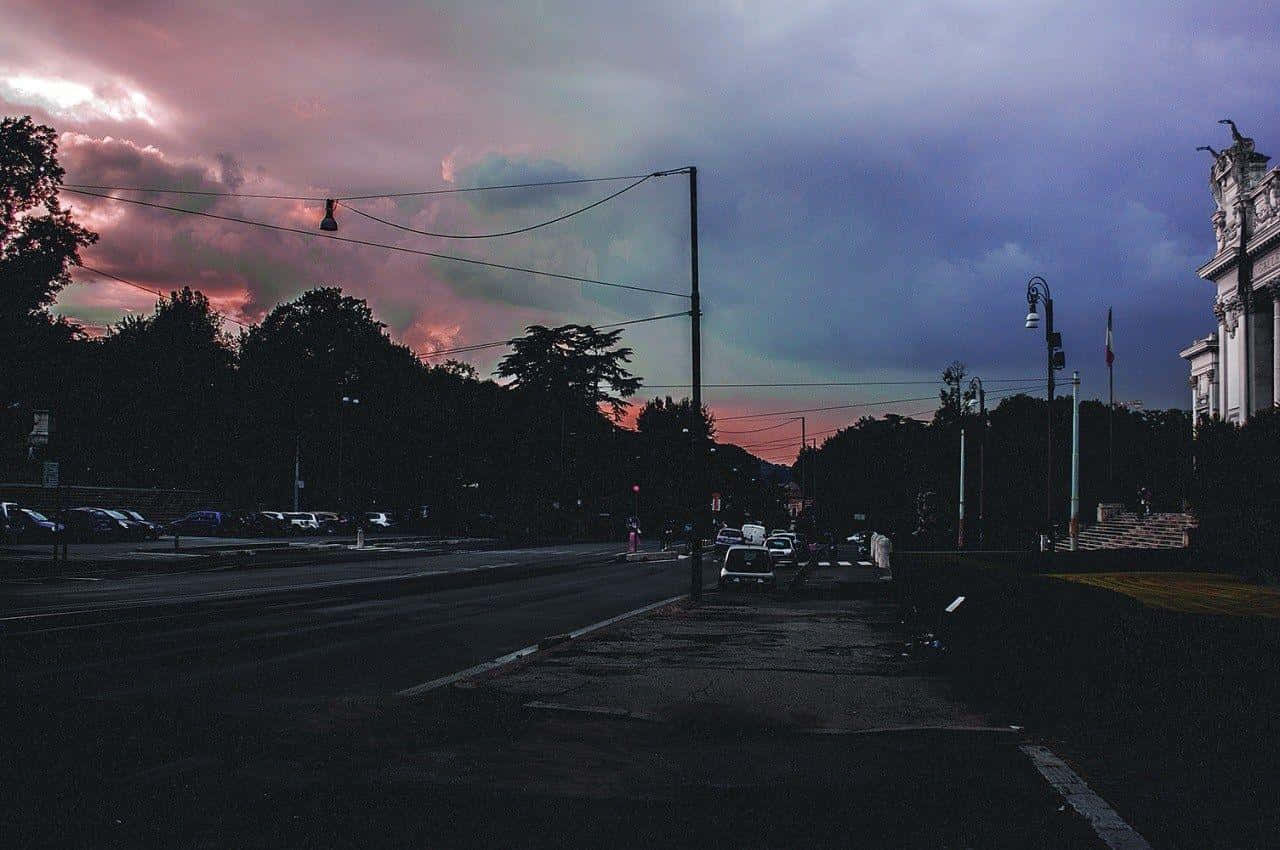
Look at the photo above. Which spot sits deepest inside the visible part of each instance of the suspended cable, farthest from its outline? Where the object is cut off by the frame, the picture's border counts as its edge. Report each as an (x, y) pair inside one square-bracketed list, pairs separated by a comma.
[(156, 292), (937, 382), (482, 345), (402, 249), (758, 430), (415, 193), (494, 235)]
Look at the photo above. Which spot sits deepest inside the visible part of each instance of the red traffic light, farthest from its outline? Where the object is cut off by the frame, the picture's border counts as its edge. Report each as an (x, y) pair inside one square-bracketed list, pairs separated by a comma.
[(635, 488)]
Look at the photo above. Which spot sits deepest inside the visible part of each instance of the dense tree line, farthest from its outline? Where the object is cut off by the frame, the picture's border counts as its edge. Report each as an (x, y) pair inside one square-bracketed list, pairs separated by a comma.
[(906, 474)]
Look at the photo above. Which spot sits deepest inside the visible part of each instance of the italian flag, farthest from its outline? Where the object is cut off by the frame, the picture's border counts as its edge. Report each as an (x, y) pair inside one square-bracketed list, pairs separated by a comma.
[(1111, 356)]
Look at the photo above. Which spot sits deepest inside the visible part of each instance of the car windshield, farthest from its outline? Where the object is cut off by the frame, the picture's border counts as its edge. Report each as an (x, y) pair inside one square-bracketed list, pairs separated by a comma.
[(134, 515), (35, 515), (114, 514), (748, 561), (779, 543), (731, 534), (299, 516)]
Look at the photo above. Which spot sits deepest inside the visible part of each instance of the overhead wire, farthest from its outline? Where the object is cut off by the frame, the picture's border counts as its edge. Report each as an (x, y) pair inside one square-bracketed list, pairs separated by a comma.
[(155, 292), (387, 246), (482, 345), (416, 193), (540, 224)]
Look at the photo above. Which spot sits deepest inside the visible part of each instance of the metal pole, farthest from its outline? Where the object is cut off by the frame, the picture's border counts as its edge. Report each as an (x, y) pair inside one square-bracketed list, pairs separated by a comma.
[(695, 350), (297, 469), (982, 466), (960, 532), (342, 418), (1048, 477), (1075, 461)]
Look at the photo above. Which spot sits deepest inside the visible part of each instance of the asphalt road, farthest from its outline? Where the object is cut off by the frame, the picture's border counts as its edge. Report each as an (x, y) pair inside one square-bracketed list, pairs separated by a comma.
[(301, 632)]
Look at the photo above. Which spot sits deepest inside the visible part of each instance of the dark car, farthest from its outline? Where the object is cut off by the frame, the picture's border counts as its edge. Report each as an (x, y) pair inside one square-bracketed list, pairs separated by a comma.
[(201, 524), (151, 530), (12, 522), (85, 525), (39, 528), (133, 529), (265, 524)]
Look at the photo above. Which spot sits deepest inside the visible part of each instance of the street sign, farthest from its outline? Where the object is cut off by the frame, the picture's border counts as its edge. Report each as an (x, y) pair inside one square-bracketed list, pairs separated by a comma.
[(50, 473), (715, 503), (860, 517)]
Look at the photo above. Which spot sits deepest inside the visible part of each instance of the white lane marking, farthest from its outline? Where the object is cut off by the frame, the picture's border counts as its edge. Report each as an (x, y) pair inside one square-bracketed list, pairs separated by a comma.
[(845, 564), (1108, 825), (502, 660), (81, 578)]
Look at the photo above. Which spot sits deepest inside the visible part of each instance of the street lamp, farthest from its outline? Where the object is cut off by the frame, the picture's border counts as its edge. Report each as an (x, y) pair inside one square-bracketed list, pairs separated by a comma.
[(1037, 292), (328, 223), (975, 386), (346, 400)]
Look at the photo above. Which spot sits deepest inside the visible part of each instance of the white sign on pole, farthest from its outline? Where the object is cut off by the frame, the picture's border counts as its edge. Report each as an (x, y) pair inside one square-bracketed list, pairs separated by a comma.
[(50, 473)]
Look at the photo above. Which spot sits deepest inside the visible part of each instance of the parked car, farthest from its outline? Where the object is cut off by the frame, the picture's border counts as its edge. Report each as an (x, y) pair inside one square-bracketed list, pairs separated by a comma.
[(39, 528), (264, 524), (747, 566), (201, 524), (12, 522), (378, 519), (781, 549), (85, 525), (725, 538), (133, 529), (303, 521), (153, 529)]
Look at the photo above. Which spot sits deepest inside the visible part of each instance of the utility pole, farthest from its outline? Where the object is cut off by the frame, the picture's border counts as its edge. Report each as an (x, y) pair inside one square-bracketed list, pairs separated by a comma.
[(982, 459), (960, 527), (297, 470), (1075, 461), (695, 349)]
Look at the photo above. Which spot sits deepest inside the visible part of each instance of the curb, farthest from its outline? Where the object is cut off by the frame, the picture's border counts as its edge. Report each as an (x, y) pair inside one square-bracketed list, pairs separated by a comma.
[(542, 645)]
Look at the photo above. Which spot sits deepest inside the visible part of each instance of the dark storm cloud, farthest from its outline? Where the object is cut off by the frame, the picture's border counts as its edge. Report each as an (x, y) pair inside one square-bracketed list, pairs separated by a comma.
[(877, 181)]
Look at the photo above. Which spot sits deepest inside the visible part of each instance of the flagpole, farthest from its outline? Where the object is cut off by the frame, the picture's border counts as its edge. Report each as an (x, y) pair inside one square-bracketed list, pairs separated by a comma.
[(1111, 411)]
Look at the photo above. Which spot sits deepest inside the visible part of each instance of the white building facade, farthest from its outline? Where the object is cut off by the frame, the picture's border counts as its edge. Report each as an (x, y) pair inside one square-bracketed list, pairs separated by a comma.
[(1235, 371)]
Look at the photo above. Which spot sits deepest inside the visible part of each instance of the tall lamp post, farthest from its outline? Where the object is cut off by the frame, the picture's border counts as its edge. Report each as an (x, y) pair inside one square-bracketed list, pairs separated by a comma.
[(1037, 292), (975, 386), (346, 400)]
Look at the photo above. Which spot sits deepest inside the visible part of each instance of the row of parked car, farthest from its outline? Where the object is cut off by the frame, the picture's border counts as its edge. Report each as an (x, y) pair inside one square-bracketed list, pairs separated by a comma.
[(276, 523), (89, 524), (27, 525), (749, 556)]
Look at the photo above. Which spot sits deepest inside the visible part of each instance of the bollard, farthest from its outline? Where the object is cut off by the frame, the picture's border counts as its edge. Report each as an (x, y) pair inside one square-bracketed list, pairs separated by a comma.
[(360, 537)]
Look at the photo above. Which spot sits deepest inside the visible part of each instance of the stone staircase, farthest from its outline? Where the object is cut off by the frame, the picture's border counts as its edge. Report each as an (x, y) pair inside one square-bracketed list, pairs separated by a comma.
[(1131, 531)]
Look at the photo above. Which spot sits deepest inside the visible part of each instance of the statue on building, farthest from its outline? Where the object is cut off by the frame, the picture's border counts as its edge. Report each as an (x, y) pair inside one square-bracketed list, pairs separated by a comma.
[(1242, 141)]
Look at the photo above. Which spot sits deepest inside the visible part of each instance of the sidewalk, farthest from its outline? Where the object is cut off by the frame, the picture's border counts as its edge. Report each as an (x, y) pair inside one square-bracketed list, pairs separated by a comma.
[(753, 720)]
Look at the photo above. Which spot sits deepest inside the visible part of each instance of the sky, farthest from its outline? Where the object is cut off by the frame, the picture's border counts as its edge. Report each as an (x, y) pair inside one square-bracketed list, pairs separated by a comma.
[(876, 182)]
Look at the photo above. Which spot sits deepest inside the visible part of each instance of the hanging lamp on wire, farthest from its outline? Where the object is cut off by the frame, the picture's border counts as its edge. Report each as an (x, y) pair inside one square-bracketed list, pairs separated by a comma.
[(328, 222)]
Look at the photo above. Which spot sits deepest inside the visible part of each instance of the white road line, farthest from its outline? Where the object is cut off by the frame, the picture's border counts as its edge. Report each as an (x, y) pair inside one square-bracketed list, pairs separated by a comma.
[(1108, 825), (845, 564), (501, 660)]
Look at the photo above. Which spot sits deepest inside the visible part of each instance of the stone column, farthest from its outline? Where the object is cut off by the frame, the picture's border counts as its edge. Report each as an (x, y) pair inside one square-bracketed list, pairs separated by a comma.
[(1275, 346), (1213, 392), (1195, 398), (1222, 371)]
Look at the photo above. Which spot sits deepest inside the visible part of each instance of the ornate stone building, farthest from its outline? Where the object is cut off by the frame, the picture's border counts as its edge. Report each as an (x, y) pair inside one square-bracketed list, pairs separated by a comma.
[(1235, 371)]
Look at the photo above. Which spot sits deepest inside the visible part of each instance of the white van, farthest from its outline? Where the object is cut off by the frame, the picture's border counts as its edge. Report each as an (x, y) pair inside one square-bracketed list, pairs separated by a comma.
[(753, 535)]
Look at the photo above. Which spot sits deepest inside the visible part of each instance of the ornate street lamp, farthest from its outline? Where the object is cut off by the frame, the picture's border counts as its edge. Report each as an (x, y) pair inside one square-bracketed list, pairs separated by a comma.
[(1037, 292)]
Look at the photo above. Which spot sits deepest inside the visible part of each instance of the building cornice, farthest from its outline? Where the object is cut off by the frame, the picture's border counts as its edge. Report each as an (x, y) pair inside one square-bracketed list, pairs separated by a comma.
[(1200, 346)]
